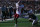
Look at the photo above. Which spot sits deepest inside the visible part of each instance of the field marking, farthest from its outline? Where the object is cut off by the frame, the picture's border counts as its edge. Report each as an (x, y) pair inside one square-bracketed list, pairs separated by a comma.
[(6, 20), (37, 14)]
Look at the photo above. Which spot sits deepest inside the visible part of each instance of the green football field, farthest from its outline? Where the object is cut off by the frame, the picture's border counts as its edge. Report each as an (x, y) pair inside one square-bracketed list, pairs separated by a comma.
[(21, 23)]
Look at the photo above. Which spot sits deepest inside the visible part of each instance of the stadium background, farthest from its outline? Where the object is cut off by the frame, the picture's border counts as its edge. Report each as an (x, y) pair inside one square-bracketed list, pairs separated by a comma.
[(35, 4)]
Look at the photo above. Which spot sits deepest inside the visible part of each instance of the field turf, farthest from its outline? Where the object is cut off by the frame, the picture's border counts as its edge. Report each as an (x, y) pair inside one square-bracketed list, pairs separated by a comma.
[(21, 23)]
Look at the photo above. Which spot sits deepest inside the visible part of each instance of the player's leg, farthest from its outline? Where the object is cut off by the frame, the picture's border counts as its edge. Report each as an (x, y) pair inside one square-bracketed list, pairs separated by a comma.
[(35, 21), (16, 16), (2, 15), (15, 20)]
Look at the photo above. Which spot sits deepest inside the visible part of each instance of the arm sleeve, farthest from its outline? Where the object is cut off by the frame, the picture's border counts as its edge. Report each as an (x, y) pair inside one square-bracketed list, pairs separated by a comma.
[(25, 17), (18, 1)]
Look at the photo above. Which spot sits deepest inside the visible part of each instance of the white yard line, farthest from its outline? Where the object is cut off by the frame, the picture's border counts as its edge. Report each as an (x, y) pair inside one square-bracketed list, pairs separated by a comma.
[(37, 14), (9, 19), (6, 20)]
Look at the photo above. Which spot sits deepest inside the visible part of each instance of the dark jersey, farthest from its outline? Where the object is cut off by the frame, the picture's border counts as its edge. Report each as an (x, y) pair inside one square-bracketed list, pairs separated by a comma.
[(3, 8), (32, 16), (11, 9)]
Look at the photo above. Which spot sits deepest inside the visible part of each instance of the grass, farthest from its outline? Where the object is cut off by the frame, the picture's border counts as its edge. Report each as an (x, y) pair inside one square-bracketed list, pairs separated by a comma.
[(21, 23), (6, 24)]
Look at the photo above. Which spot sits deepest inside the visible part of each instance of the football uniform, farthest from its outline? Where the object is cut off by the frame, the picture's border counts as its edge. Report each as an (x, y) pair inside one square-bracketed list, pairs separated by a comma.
[(34, 19), (18, 10)]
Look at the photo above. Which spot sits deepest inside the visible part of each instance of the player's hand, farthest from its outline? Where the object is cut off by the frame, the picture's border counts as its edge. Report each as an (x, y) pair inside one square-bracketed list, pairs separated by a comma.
[(30, 19), (19, 1)]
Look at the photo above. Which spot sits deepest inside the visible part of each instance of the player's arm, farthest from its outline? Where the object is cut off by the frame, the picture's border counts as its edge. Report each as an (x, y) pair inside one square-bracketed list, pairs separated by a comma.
[(18, 1), (26, 17)]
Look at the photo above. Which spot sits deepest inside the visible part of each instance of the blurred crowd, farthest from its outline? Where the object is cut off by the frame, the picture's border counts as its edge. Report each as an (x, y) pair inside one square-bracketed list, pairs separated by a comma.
[(8, 8)]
